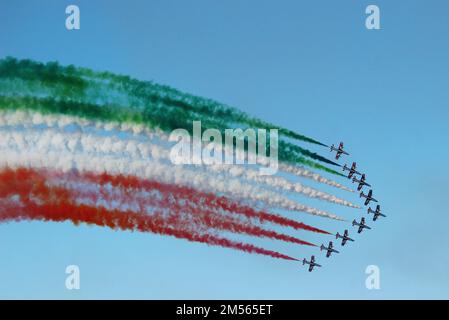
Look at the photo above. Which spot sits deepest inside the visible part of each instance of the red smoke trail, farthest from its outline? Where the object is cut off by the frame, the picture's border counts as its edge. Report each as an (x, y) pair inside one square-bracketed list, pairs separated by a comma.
[(59, 206), (123, 220), (200, 216), (208, 199)]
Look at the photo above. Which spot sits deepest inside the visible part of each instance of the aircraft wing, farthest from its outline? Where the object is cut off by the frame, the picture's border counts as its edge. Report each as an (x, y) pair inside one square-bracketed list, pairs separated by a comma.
[(377, 215), (328, 253), (360, 229), (344, 242), (367, 201), (311, 268)]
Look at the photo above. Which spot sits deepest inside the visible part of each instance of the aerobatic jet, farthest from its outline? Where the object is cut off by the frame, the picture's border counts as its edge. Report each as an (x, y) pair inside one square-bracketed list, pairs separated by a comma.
[(311, 263), (329, 249), (361, 182), (345, 237), (361, 225), (339, 150), (352, 170), (376, 212), (368, 197)]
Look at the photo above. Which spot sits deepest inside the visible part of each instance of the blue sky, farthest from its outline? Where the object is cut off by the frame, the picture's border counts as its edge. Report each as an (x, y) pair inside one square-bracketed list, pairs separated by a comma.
[(311, 66)]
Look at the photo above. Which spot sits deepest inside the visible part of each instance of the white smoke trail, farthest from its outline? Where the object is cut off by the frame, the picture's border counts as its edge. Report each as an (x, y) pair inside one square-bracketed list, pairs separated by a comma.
[(30, 119), (20, 149), (302, 172), (53, 139), (279, 182)]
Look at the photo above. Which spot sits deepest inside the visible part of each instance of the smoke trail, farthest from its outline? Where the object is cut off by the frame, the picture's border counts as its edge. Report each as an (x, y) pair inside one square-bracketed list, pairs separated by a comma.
[(158, 118), (160, 172), (124, 220), (192, 213), (291, 149), (139, 151), (59, 207), (302, 172), (76, 81), (80, 95), (279, 182), (20, 149), (30, 120), (131, 184)]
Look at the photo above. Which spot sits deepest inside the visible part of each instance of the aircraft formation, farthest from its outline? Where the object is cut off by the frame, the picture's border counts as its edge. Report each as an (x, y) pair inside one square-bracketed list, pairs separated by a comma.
[(360, 226)]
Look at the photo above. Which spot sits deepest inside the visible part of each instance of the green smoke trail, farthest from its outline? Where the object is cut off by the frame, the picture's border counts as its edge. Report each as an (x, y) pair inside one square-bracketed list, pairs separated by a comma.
[(71, 90), (207, 107), (76, 79), (294, 149), (171, 96)]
